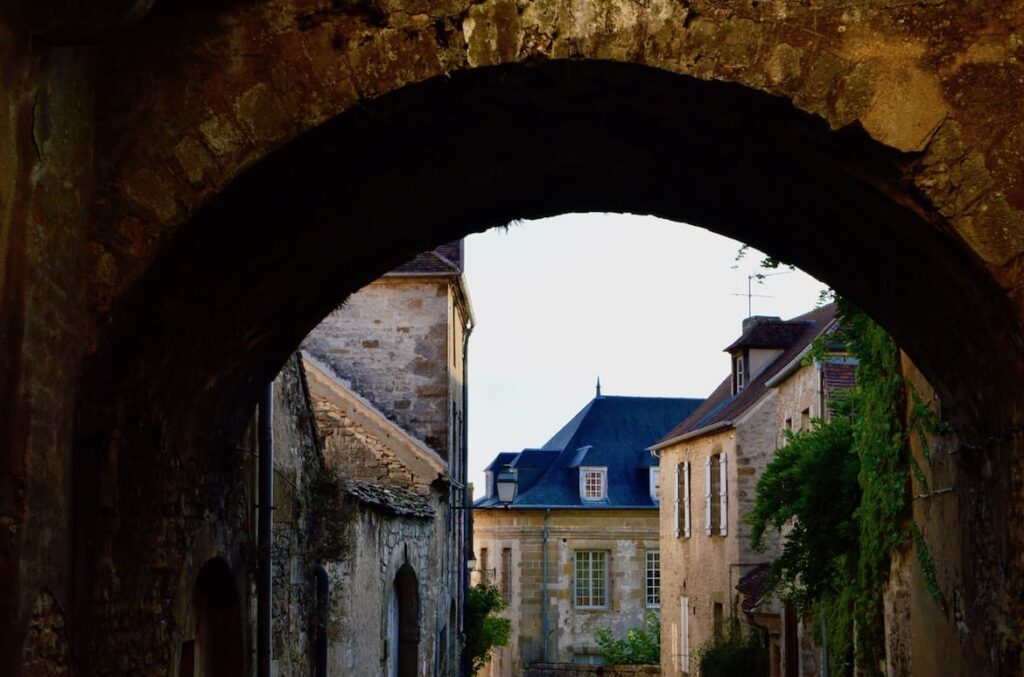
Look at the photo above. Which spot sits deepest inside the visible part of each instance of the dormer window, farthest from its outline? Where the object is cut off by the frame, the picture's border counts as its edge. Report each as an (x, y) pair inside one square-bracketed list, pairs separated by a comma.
[(655, 485), (593, 483), (739, 373)]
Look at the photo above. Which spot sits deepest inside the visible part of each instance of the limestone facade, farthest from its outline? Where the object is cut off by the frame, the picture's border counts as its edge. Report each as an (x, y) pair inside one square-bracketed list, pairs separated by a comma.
[(714, 463), (626, 535)]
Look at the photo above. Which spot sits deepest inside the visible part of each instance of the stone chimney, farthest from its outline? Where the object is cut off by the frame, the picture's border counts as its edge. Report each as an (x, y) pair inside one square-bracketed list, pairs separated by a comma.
[(754, 320)]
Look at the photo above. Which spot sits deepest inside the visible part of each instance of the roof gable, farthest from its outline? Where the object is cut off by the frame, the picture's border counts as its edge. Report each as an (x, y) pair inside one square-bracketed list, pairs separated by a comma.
[(722, 407)]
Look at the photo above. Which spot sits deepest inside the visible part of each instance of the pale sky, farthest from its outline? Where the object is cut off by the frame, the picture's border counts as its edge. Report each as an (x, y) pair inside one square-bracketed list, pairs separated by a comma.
[(646, 304)]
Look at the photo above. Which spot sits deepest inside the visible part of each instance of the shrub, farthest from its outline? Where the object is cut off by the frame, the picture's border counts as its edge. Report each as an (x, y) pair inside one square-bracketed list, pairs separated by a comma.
[(641, 646), (484, 628), (734, 653)]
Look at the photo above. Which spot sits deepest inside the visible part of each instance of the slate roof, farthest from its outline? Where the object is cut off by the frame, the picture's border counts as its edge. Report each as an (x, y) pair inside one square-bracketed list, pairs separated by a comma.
[(390, 499), (722, 406), (610, 431), (446, 259)]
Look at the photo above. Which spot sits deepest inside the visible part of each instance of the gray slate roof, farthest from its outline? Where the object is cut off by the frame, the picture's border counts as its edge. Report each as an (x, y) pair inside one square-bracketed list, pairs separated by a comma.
[(610, 431), (393, 500)]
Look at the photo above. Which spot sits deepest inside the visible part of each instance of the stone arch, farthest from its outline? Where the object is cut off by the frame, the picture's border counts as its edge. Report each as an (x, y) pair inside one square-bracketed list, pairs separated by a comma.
[(307, 151), (403, 623), (218, 644)]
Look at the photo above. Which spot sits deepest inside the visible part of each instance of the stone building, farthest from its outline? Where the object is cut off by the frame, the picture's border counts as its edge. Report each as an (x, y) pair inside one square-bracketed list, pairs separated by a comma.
[(366, 486), (388, 386), (578, 547), (711, 463)]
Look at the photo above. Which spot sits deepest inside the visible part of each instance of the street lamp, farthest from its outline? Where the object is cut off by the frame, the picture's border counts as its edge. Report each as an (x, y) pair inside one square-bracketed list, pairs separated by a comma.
[(506, 484)]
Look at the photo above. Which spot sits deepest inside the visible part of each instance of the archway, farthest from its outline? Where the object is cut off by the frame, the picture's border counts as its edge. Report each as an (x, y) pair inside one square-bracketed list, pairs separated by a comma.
[(217, 648), (272, 253), (403, 624)]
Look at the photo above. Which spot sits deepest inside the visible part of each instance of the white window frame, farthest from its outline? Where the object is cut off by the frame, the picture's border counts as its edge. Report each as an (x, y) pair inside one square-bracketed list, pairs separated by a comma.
[(588, 470), (591, 556), (654, 480), (652, 579), (739, 363)]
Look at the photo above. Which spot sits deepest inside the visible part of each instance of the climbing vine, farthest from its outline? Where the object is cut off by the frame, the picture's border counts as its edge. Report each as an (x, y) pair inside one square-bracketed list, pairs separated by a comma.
[(842, 491)]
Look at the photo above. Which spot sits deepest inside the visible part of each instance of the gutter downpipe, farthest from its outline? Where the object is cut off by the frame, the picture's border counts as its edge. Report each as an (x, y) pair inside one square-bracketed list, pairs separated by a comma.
[(467, 515), (264, 531), (544, 583)]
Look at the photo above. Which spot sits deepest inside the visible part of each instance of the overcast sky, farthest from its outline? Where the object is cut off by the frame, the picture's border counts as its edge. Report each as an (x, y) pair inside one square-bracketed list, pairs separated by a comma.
[(646, 304)]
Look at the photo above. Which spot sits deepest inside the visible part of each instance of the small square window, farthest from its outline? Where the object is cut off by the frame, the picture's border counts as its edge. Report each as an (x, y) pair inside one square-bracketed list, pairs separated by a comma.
[(593, 483)]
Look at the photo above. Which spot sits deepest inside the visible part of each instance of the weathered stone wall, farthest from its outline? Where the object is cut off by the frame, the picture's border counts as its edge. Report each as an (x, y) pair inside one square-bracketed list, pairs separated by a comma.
[(923, 638), (46, 151), (297, 466), (625, 535), (703, 568), (392, 341), (197, 95), (362, 579)]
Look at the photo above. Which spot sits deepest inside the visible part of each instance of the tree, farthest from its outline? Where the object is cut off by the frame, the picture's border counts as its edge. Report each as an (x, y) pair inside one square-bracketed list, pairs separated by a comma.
[(484, 628)]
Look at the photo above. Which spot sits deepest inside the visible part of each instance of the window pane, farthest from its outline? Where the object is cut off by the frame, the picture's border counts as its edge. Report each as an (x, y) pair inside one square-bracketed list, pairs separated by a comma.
[(653, 578)]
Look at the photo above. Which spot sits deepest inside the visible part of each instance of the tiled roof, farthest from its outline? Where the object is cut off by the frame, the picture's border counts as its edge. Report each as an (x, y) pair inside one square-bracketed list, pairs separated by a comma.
[(610, 431), (391, 499), (446, 259), (722, 406), (752, 586)]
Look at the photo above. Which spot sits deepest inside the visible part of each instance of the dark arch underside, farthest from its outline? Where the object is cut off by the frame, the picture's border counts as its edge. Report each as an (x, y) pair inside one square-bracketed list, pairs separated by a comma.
[(239, 286)]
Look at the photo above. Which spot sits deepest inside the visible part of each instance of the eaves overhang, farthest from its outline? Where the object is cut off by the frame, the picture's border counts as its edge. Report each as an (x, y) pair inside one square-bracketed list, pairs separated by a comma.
[(692, 434)]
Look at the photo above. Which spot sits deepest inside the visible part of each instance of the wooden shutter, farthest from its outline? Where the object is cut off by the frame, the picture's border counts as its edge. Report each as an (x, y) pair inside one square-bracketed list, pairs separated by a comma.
[(707, 495), (723, 495), (675, 501), (686, 499)]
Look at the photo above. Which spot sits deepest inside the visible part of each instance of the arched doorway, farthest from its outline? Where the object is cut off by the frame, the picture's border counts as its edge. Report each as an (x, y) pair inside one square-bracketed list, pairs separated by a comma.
[(217, 647), (403, 624)]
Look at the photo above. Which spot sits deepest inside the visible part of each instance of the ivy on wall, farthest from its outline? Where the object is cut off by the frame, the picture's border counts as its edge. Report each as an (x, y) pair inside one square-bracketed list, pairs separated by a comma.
[(840, 495)]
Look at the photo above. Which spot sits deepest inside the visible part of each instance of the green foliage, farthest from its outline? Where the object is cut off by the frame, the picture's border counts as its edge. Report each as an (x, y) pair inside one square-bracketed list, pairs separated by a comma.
[(733, 654), (842, 490), (812, 485), (641, 646), (927, 564), (484, 628)]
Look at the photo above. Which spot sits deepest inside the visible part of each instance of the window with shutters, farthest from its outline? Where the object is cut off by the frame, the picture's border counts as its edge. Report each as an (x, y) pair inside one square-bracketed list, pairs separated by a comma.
[(652, 575), (681, 500), (716, 497), (591, 579)]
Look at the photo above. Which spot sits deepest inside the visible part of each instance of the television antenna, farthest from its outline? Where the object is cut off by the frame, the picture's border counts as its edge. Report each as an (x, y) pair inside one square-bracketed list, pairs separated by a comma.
[(750, 288)]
